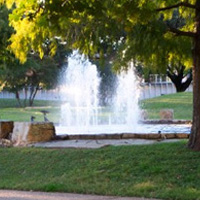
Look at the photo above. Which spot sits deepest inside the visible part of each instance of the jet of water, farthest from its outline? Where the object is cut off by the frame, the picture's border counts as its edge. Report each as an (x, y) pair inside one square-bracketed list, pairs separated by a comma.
[(80, 92)]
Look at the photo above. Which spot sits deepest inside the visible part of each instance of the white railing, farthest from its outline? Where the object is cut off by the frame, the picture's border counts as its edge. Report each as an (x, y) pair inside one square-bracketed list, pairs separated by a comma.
[(148, 90)]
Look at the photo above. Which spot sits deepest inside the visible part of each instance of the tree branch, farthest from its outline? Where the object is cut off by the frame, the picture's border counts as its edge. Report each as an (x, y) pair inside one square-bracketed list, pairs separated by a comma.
[(33, 15), (181, 4), (179, 32)]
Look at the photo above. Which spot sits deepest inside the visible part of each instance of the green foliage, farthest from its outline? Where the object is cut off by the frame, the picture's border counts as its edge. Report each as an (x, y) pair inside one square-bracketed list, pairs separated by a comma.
[(125, 29), (34, 73), (5, 32), (164, 171)]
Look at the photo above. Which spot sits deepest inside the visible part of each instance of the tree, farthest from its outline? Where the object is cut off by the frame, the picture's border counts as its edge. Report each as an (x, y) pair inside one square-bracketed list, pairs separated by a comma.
[(180, 77), (137, 29), (29, 77), (15, 77), (5, 32), (5, 55)]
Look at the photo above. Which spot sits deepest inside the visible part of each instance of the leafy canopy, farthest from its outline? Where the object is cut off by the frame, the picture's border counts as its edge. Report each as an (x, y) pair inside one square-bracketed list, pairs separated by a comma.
[(142, 30)]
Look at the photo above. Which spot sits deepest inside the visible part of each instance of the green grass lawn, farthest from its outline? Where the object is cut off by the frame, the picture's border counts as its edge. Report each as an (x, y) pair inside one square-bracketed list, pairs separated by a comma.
[(9, 110), (181, 103), (165, 171)]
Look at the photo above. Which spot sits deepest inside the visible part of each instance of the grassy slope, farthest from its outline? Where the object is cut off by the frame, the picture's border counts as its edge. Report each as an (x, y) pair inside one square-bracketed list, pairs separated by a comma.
[(167, 171), (181, 103)]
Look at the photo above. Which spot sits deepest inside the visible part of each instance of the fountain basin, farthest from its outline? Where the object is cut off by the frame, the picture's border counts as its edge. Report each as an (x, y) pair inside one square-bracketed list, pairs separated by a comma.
[(156, 129), (118, 129), (148, 136)]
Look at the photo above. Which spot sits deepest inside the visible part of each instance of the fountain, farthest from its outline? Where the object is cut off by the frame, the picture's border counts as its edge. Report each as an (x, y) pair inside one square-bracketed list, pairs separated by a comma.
[(81, 112), (80, 93), (84, 116)]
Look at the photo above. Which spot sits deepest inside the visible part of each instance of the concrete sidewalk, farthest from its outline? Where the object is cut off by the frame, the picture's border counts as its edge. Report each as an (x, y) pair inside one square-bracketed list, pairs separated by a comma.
[(21, 195), (94, 144)]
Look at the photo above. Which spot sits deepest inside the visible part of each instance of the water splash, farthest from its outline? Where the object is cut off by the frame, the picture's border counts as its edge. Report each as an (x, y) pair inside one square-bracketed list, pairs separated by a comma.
[(81, 112), (80, 92), (125, 103)]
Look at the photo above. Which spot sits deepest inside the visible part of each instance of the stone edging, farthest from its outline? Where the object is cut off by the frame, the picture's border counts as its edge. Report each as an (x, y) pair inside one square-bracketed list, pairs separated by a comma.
[(21, 133), (151, 136), (165, 122)]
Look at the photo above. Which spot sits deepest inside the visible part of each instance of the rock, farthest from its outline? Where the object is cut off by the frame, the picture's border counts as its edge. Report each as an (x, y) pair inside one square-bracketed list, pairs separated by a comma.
[(25, 132), (154, 136), (182, 135), (5, 143), (40, 132), (170, 136), (167, 114), (142, 136), (87, 137), (61, 137), (100, 137), (113, 136), (20, 132), (128, 135), (6, 127), (143, 115), (74, 137)]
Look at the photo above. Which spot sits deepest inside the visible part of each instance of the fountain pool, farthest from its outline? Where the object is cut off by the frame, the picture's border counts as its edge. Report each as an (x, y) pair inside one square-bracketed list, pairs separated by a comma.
[(117, 129)]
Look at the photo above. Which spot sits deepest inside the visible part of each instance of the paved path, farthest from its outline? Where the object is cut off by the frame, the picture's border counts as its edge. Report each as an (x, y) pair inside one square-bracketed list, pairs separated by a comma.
[(19, 195), (93, 144)]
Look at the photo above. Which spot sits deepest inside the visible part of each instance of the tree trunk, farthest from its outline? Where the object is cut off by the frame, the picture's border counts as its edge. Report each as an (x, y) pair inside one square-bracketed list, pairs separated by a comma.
[(25, 95), (33, 94), (194, 141), (18, 98), (177, 78), (182, 86), (186, 84)]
